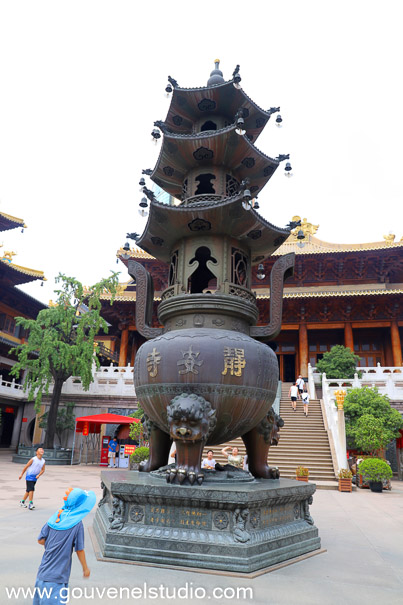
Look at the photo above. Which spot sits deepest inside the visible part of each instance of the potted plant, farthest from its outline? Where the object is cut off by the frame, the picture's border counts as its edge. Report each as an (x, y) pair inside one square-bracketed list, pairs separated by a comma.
[(302, 473), (375, 471), (345, 479), (140, 454)]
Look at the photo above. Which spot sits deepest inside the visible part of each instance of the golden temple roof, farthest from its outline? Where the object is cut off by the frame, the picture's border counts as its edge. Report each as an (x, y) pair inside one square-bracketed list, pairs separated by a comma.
[(313, 245), (10, 222), (24, 270), (124, 295)]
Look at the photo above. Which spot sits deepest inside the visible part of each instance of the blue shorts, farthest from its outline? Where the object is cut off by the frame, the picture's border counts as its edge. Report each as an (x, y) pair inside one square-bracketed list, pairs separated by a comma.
[(50, 593)]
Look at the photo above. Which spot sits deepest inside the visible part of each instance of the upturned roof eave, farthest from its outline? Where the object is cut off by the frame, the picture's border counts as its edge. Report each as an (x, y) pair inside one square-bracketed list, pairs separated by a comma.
[(178, 90), (10, 222), (173, 224), (159, 177), (17, 270)]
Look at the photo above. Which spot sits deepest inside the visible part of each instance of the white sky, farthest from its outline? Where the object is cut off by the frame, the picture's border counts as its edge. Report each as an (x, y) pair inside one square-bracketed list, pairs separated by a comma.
[(81, 83)]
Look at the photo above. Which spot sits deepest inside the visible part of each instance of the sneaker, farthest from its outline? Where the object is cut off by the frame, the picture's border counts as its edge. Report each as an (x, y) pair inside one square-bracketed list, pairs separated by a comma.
[(31, 506), (22, 503)]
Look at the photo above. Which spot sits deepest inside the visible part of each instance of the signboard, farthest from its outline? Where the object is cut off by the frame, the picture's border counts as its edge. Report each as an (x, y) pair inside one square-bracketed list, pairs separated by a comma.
[(129, 449), (9, 410), (25, 419)]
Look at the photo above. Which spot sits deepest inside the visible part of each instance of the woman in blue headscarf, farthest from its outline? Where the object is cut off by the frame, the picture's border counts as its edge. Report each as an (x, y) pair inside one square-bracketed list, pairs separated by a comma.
[(63, 532)]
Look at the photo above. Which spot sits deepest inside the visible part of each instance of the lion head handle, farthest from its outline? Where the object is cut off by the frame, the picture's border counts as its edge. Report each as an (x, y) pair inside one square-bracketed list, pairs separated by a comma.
[(190, 418)]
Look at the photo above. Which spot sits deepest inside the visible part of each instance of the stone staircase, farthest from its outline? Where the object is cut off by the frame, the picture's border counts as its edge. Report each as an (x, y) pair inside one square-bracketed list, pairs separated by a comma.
[(303, 441)]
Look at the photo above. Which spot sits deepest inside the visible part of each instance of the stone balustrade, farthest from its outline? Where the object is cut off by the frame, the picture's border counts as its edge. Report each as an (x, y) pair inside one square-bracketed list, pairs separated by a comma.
[(108, 380), (387, 379), (11, 390)]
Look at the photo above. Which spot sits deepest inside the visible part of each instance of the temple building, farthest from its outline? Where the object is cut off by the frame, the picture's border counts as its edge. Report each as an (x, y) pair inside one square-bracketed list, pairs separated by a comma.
[(349, 294), (13, 303)]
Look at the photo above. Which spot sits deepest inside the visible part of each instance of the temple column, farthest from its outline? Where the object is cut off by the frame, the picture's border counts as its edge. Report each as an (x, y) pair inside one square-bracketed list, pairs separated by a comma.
[(303, 350), (396, 344), (15, 437), (124, 339), (348, 336)]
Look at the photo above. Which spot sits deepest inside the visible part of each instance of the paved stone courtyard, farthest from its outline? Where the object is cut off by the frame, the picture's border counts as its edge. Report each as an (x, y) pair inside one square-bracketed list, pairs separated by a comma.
[(362, 533)]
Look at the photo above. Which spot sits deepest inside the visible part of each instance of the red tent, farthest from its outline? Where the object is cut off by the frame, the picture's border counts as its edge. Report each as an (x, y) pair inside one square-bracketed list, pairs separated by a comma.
[(94, 422)]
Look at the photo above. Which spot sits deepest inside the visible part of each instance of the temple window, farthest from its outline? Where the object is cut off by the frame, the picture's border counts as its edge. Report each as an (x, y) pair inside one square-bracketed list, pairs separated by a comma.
[(205, 185), (231, 185), (239, 268), (209, 125), (173, 269), (202, 276)]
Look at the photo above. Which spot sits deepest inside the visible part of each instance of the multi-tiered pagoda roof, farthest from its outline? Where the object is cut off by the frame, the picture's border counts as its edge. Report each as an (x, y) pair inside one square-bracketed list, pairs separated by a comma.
[(209, 163)]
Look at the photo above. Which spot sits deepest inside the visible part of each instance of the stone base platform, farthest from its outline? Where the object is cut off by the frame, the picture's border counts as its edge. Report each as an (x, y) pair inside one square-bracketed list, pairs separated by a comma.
[(54, 456), (238, 527)]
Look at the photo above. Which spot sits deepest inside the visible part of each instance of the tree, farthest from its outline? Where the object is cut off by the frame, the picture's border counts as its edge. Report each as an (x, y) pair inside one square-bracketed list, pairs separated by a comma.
[(370, 435), (60, 343), (65, 420), (339, 362), (369, 402)]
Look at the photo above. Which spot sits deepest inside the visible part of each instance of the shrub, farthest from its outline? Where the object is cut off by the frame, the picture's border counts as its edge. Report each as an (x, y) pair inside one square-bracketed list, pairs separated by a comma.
[(338, 363), (301, 471), (345, 473), (140, 454), (374, 469), (366, 401), (370, 435)]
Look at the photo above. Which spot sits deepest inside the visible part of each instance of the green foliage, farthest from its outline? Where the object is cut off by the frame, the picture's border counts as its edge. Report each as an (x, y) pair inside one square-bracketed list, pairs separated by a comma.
[(338, 363), (137, 429), (140, 454), (65, 420), (375, 469), (368, 402), (370, 434), (61, 339), (139, 413), (301, 471), (345, 473), (61, 342)]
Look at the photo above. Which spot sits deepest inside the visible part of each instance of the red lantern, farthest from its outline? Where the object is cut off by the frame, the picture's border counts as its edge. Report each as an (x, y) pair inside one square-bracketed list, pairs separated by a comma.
[(86, 429)]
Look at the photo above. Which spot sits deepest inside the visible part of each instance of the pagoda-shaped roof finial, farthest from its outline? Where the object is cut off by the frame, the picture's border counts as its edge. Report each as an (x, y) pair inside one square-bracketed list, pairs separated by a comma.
[(216, 76)]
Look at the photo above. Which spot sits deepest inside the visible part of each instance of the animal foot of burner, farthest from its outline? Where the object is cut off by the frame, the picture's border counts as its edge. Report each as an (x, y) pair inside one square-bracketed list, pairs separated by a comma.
[(181, 475)]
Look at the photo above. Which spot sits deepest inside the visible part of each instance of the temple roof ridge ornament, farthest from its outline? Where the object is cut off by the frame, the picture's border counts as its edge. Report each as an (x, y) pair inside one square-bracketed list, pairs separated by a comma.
[(216, 76)]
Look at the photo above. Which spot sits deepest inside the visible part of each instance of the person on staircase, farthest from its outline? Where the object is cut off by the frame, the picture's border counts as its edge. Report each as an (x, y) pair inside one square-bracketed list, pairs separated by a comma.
[(305, 401), (294, 395), (300, 384)]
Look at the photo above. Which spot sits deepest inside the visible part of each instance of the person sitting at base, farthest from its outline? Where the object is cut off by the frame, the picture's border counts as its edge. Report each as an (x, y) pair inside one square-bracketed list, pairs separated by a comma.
[(235, 458), (112, 449), (305, 401), (209, 462), (63, 532), (294, 394), (36, 468)]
